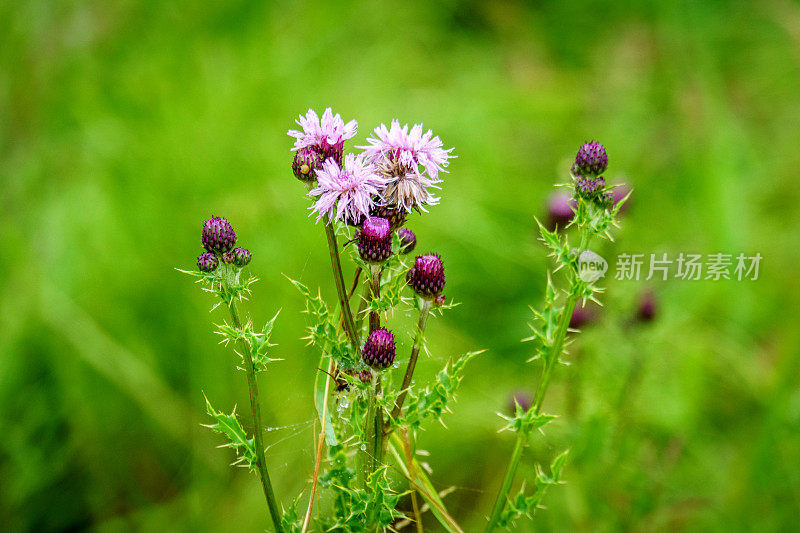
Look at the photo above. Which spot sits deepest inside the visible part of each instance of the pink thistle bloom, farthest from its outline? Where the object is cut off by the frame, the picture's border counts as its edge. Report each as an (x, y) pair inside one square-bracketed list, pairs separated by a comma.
[(326, 136), (346, 193), (399, 154)]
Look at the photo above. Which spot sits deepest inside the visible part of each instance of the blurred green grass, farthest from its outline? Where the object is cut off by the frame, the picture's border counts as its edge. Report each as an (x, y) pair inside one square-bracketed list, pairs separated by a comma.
[(123, 125)]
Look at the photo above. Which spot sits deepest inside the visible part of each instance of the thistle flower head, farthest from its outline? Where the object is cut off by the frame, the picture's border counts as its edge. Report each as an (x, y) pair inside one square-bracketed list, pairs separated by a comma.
[(410, 160), (218, 235), (591, 160), (346, 193), (375, 240), (241, 256), (407, 240), (306, 161), (379, 350), (426, 277), (326, 136), (207, 262)]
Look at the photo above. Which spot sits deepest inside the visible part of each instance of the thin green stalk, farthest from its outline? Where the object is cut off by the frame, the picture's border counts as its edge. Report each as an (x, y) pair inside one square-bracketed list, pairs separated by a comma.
[(412, 362), (258, 437), (338, 278), (375, 292), (549, 364)]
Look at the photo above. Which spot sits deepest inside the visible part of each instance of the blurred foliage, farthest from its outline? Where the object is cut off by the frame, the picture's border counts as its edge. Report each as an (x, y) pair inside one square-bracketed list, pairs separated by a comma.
[(125, 124)]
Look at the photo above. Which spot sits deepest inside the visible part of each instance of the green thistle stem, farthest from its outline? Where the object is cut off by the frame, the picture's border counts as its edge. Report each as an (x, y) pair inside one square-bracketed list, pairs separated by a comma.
[(412, 362), (549, 364), (338, 278), (258, 437)]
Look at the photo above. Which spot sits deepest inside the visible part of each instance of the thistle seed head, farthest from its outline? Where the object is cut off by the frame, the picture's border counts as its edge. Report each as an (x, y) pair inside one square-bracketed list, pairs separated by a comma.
[(591, 160), (379, 349), (426, 277), (407, 240), (207, 262), (375, 240), (218, 235)]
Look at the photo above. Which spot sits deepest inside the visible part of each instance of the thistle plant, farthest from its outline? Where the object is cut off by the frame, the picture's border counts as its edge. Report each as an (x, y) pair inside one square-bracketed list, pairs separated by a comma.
[(592, 211), (370, 403)]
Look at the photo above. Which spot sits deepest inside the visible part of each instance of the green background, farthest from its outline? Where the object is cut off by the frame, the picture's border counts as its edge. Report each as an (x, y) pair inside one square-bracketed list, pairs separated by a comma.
[(124, 125)]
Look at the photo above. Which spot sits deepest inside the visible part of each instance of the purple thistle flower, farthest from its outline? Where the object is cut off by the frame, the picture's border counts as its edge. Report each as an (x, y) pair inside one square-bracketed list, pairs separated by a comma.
[(346, 193), (591, 160), (242, 257), (379, 350), (375, 240), (398, 154), (326, 136), (306, 162), (426, 277), (218, 235), (407, 240), (207, 262), (560, 210)]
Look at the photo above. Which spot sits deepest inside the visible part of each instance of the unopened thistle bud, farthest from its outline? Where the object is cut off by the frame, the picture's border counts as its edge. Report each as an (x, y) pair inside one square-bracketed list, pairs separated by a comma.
[(591, 188), (426, 277), (439, 301), (591, 160), (228, 257), (365, 376), (395, 215), (375, 240), (379, 349), (241, 257), (618, 193), (207, 262), (407, 240), (581, 316), (218, 235), (306, 162)]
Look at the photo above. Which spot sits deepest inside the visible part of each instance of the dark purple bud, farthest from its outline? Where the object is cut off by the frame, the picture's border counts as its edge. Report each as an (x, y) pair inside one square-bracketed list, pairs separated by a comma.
[(439, 300), (618, 193), (560, 210), (207, 262), (591, 160), (365, 376), (395, 215), (218, 235), (228, 257), (379, 349), (407, 240), (306, 162), (426, 277), (583, 315), (590, 188), (375, 240), (242, 257), (521, 397), (648, 307)]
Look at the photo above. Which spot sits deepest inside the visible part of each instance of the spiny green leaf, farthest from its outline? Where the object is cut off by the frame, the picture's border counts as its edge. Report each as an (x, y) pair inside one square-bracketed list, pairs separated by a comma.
[(229, 425)]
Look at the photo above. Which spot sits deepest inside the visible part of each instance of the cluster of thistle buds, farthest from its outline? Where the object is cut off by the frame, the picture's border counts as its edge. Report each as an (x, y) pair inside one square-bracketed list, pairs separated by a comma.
[(219, 240), (590, 163)]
